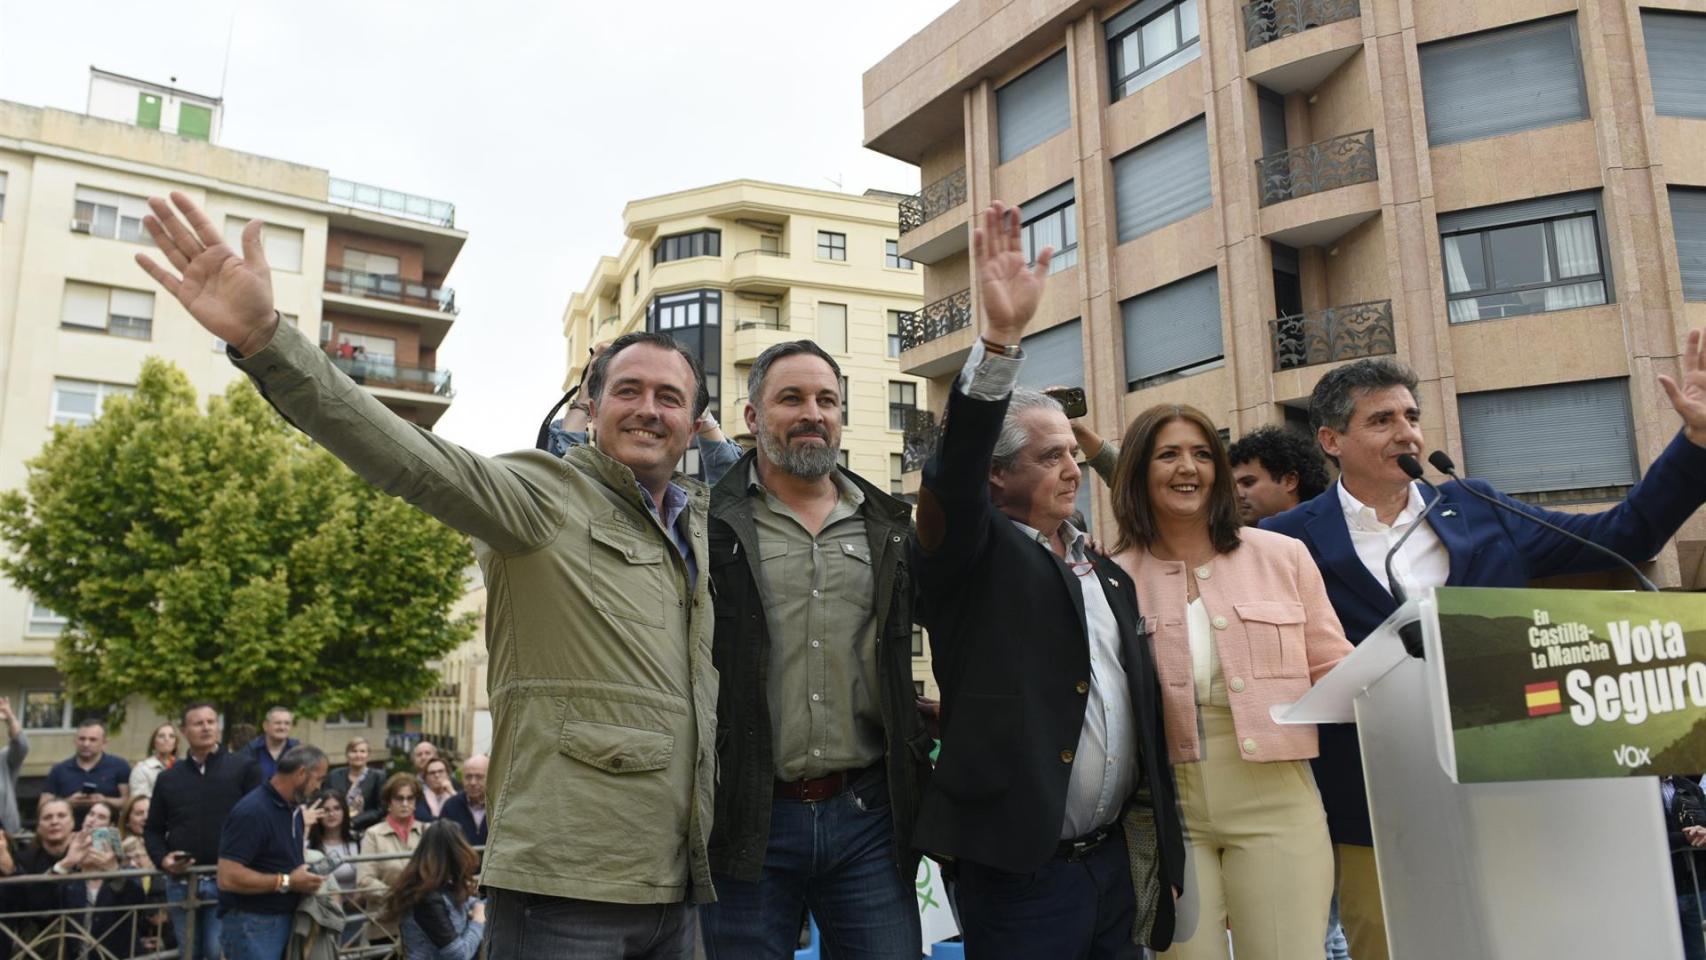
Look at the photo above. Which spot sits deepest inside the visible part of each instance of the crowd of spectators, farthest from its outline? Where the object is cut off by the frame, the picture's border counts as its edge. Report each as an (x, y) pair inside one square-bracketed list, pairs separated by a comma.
[(265, 811)]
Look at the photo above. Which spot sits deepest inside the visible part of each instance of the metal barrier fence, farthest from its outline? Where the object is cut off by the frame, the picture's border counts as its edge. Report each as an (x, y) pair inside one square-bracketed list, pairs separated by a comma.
[(85, 933)]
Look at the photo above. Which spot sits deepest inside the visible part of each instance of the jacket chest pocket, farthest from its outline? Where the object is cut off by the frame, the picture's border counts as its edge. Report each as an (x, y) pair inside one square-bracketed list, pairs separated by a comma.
[(627, 572), (1274, 631)]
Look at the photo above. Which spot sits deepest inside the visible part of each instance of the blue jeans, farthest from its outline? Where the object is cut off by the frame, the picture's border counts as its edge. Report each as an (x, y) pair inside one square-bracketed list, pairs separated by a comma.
[(523, 926), (835, 857), (206, 946), (1337, 948), (1693, 943), (1067, 909), (254, 936)]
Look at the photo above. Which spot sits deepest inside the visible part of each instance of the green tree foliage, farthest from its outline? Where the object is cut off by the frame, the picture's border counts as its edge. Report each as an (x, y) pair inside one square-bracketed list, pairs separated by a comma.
[(222, 556)]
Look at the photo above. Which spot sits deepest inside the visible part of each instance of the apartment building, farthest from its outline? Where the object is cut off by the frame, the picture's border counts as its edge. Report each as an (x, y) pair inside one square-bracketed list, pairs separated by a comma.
[(358, 266), (1509, 196), (733, 268)]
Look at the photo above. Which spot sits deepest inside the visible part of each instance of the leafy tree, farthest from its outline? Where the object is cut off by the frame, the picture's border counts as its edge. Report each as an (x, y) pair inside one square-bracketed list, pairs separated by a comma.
[(222, 556)]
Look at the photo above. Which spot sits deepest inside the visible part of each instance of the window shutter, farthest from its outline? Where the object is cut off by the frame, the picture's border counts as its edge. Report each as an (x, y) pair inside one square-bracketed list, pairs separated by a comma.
[(1034, 107), (133, 303), (85, 305), (1563, 436), (1540, 208), (1676, 59), (1503, 81), (1172, 327), (1048, 201), (1688, 216), (1054, 357), (1163, 181), (832, 327)]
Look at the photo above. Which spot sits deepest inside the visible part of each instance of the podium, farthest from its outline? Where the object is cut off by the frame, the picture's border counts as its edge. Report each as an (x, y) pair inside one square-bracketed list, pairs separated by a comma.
[(1547, 868)]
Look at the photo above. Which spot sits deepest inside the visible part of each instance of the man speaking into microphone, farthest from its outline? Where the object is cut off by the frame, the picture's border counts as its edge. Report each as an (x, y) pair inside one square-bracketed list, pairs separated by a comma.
[(1365, 416)]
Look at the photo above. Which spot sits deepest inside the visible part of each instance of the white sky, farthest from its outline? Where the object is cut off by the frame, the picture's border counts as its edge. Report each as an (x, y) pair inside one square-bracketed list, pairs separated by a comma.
[(538, 120)]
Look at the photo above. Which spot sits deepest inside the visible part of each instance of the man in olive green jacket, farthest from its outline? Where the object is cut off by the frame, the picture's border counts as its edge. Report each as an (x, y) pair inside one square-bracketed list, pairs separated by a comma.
[(598, 616)]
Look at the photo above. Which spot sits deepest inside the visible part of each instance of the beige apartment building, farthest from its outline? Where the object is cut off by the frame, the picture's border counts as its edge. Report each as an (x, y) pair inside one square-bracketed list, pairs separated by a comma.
[(1509, 196), (358, 265), (733, 268)]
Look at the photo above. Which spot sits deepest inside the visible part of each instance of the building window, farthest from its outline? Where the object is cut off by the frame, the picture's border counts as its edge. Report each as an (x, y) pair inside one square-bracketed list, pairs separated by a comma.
[(1051, 220), (326, 332), (1674, 43), (1172, 331), (1502, 81), (101, 213), (831, 246), (894, 333), (348, 719), (47, 710), (1149, 40), (699, 243), (1514, 259), (897, 471), (377, 264), (195, 121), (636, 281), (832, 327), (1512, 438), (1162, 181), (892, 258), (846, 399), (44, 622), (121, 313), (1033, 107), (918, 650), (1054, 357), (677, 311), (1688, 219), (2, 194), (282, 245), (842, 458), (903, 399)]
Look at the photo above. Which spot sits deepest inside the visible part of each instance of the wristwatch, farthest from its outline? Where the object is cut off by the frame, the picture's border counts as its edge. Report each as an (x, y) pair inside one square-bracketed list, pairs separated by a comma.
[(58, 869), (284, 883), (1011, 351)]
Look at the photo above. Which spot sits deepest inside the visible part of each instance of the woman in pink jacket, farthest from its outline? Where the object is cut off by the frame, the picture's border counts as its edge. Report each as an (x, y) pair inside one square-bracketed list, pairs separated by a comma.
[(1239, 621)]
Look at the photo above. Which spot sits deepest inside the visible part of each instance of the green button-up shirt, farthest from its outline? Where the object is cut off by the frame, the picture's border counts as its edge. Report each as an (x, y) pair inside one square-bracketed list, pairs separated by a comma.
[(823, 635)]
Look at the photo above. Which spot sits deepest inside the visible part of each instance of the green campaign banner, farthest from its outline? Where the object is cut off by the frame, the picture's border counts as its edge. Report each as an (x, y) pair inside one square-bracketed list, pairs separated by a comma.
[(1562, 684)]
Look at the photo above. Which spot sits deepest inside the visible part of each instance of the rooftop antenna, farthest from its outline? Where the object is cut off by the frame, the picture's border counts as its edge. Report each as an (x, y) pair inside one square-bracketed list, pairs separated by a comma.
[(837, 181), (225, 70)]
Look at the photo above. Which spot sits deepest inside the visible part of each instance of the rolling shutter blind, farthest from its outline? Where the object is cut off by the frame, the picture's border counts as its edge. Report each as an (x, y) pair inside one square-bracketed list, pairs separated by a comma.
[(1688, 216), (1054, 357), (1173, 327), (1563, 436), (1033, 108), (1503, 81), (1676, 59), (85, 306), (1163, 181)]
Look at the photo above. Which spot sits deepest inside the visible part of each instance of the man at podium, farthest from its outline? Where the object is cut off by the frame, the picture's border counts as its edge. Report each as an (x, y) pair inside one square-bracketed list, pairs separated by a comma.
[(1365, 415)]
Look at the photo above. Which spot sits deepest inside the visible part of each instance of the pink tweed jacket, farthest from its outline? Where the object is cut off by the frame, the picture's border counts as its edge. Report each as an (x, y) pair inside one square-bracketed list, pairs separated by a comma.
[(1275, 632)]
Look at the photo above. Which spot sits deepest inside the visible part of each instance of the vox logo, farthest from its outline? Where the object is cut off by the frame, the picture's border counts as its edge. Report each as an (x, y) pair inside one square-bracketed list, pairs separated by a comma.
[(1632, 757)]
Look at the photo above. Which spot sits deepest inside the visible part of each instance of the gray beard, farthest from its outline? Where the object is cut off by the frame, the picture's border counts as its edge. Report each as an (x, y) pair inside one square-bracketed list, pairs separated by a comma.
[(807, 463)]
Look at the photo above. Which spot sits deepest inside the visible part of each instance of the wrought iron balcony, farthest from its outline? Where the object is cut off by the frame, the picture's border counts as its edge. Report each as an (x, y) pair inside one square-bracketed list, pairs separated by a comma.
[(394, 202), (1268, 20), (919, 440), (952, 312), (379, 286), (933, 201), (1336, 333), (378, 371), (1319, 166)]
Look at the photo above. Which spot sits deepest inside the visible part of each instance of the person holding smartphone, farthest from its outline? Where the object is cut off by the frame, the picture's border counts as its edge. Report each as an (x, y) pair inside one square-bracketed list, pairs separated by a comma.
[(96, 849), (91, 774)]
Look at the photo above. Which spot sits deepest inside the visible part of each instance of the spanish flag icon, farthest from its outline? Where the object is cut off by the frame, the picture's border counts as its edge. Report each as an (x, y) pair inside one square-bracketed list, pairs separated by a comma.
[(1543, 698)]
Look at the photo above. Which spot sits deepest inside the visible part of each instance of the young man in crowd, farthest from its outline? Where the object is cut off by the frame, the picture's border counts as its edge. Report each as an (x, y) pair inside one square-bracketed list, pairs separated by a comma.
[(89, 775)]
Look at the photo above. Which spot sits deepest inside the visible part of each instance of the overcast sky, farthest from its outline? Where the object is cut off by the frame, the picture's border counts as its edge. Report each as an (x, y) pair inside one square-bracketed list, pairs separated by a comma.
[(538, 120)]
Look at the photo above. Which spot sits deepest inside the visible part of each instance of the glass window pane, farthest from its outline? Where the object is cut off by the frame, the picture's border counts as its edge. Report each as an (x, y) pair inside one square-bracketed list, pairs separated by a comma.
[(1577, 246), (1519, 255), (1160, 37), (1465, 268), (1188, 20)]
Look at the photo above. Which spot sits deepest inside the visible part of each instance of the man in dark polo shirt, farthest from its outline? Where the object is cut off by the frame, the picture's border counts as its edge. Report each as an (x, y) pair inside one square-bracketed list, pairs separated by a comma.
[(191, 801), (261, 873), (90, 774)]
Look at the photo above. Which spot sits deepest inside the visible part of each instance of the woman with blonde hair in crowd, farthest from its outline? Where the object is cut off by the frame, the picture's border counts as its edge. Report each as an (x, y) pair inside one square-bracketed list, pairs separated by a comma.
[(1239, 621), (433, 898), (162, 754)]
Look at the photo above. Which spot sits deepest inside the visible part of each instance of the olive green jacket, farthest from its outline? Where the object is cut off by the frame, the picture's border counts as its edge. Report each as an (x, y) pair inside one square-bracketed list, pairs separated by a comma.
[(603, 694)]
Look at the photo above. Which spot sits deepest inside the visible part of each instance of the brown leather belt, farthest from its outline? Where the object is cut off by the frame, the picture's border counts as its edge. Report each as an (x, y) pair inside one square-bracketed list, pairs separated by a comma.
[(812, 791)]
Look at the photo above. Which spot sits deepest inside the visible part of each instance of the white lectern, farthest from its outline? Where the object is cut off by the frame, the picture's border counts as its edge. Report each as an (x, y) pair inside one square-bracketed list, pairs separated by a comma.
[(1553, 870)]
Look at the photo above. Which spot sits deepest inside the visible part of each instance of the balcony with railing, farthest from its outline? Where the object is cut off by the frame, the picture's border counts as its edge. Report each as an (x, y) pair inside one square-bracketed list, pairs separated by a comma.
[(396, 203), (760, 270), (1317, 167), (927, 232), (1268, 20), (935, 320), (378, 286), (387, 372), (1336, 333), (919, 439)]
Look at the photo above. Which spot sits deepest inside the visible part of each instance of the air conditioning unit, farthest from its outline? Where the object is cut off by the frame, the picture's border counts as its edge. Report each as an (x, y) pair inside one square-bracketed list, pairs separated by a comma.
[(82, 226)]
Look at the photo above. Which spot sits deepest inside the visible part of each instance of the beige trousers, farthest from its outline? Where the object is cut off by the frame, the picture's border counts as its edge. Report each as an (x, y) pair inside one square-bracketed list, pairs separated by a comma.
[(1359, 902), (1257, 855)]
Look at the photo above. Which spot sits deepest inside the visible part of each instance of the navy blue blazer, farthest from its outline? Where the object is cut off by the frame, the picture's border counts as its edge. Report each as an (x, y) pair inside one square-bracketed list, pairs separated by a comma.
[(1488, 548), (456, 811)]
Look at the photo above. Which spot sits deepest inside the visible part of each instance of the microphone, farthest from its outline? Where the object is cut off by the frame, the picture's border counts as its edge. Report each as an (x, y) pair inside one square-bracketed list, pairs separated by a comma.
[(1410, 633), (1443, 464)]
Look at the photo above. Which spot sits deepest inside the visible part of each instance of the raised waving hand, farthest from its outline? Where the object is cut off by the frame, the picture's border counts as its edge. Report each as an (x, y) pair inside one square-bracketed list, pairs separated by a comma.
[(1008, 287), (228, 294)]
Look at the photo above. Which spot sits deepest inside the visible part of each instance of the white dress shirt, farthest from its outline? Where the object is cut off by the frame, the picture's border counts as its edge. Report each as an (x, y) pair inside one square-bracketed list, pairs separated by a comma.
[(1422, 563)]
